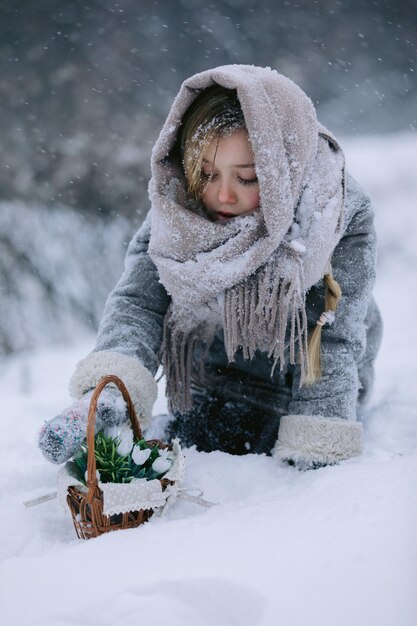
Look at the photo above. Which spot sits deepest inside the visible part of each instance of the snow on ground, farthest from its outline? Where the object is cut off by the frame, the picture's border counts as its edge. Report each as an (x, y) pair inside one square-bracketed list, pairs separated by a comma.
[(335, 546)]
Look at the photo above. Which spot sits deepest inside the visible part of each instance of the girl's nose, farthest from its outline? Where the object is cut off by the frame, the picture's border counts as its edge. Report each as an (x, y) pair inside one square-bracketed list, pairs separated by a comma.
[(226, 194)]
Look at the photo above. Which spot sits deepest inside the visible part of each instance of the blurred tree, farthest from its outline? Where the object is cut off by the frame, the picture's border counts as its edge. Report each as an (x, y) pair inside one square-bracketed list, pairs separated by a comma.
[(85, 85)]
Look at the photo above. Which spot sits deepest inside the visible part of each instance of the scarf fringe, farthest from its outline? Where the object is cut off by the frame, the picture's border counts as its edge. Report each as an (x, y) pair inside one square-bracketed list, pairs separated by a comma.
[(261, 311), (265, 312), (177, 356)]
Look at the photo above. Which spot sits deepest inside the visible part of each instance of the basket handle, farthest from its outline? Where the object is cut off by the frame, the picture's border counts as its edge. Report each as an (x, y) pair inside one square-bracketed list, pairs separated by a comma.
[(92, 482)]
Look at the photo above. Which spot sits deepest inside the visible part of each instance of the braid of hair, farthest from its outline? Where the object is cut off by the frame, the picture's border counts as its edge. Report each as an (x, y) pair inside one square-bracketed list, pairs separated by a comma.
[(332, 296)]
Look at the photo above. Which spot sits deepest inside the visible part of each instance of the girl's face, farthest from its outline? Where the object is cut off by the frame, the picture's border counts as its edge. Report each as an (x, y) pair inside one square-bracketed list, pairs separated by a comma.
[(230, 184)]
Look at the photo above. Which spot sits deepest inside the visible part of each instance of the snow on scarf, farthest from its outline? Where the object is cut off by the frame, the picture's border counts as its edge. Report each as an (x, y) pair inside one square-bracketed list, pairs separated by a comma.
[(258, 266)]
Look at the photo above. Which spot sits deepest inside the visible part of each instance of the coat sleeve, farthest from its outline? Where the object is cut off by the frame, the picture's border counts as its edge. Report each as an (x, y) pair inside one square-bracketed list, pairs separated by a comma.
[(130, 333), (135, 309), (344, 343), (321, 426)]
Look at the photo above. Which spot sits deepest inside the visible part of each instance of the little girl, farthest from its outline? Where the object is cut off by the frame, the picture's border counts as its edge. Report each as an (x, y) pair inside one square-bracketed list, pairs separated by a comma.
[(250, 281)]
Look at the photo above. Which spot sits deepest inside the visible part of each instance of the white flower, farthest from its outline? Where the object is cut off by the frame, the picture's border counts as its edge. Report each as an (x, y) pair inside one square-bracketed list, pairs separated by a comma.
[(126, 440), (97, 475), (161, 465), (140, 456), (166, 453), (112, 432)]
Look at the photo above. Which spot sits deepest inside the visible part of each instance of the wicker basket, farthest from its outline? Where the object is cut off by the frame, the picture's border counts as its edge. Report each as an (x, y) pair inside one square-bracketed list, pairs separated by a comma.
[(87, 506)]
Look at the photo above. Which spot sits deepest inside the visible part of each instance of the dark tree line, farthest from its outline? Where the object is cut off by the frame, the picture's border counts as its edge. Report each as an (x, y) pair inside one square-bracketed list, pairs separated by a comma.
[(85, 85)]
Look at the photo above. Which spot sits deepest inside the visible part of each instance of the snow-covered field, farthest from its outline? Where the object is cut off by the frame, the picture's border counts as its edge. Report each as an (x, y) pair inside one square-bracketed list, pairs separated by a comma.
[(331, 547)]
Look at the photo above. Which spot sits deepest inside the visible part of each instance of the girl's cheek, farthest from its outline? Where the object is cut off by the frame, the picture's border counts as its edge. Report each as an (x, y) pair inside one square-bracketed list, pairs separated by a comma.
[(255, 199), (206, 197)]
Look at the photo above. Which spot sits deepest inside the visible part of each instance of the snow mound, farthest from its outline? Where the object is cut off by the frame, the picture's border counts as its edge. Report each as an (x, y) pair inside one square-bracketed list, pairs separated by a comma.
[(334, 546)]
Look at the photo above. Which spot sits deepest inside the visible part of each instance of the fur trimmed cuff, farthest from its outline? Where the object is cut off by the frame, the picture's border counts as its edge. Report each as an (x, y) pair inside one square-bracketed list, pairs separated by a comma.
[(140, 383), (310, 440)]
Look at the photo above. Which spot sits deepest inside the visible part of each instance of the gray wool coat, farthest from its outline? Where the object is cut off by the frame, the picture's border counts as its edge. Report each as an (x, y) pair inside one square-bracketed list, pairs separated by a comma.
[(134, 312)]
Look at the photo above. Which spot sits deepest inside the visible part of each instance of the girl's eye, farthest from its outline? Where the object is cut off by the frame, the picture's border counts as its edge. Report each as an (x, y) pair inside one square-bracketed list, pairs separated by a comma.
[(208, 175), (248, 181)]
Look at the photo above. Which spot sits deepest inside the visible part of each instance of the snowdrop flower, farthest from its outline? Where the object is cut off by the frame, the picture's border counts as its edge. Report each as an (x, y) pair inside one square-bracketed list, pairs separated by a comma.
[(163, 463), (126, 440), (113, 432), (97, 475), (140, 456), (160, 466), (166, 453)]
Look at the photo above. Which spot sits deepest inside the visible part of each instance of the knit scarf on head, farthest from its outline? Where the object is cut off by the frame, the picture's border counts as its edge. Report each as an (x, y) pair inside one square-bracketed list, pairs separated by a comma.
[(257, 267)]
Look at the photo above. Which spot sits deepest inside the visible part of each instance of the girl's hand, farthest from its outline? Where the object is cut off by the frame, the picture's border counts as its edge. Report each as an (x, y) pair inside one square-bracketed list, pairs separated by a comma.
[(61, 437)]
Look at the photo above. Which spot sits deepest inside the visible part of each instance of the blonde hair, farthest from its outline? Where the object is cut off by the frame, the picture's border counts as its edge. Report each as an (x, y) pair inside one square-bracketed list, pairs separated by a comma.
[(332, 297), (215, 113)]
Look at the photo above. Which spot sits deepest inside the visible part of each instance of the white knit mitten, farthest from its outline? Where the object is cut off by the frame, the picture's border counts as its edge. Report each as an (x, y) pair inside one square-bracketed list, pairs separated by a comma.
[(61, 437)]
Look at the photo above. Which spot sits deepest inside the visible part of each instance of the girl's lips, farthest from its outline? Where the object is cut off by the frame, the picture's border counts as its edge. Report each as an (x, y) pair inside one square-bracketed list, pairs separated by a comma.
[(224, 214)]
